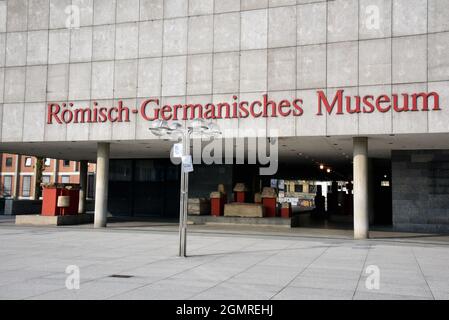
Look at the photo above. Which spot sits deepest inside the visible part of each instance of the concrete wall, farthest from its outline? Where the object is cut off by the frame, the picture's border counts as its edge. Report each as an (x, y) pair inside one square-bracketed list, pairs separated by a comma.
[(17, 207), (206, 50), (420, 182)]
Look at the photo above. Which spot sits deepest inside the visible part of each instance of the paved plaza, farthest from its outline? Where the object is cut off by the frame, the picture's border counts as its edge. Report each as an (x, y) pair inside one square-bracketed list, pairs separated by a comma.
[(133, 263)]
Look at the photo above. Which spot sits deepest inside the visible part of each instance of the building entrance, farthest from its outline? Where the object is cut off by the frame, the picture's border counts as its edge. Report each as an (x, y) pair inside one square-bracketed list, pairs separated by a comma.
[(144, 188)]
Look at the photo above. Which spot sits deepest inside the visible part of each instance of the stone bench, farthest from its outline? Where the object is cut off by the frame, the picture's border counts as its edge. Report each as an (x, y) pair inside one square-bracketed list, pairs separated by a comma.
[(248, 210)]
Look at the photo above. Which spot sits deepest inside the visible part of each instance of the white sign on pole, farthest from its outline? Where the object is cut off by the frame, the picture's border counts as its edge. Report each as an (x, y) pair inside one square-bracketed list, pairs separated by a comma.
[(187, 163), (177, 150)]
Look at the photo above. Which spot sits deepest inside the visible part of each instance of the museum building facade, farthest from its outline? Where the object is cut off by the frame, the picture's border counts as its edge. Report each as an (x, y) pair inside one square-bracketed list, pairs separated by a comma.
[(359, 86)]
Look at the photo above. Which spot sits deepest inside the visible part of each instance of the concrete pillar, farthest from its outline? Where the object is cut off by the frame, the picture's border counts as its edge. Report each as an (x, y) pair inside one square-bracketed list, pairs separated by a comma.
[(34, 182), (56, 170), (361, 209), (17, 177), (101, 188), (83, 186), (371, 187)]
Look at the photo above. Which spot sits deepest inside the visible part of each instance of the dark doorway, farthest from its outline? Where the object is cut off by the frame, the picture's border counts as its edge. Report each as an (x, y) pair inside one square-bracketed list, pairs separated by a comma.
[(144, 188), (382, 195)]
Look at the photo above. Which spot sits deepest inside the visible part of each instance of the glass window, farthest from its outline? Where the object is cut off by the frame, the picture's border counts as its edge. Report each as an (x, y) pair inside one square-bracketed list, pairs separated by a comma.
[(312, 188), (120, 170), (28, 162), (47, 162), (65, 179), (8, 162), (7, 186), (66, 163), (149, 170), (90, 186), (298, 188), (46, 179), (26, 186), (172, 173)]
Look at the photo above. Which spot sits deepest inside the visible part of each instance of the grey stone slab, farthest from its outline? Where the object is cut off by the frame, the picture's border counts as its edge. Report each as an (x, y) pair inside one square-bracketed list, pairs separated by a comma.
[(104, 11), (304, 293), (253, 71), (267, 275), (279, 3), (2, 82), (86, 9), (3, 16), (104, 40), (438, 57), (342, 61), (253, 4), (201, 7), (36, 83), (226, 6), (151, 9), (80, 81), (126, 41), (16, 49), (59, 46), (17, 15), (81, 45), (311, 23), (342, 20), (37, 47), (282, 27), (127, 10), (201, 30), (438, 10), (227, 32), (3, 49), (199, 75), (150, 38), (311, 67), (408, 289), (150, 75), (281, 69), (254, 31), (58, 16), (175, 36), (125, 79), (336, 283), (174, 75), (409, 17), (102, 80), (91, 290), (14, 84), (232, 291), (375, 62), (384, 296), (409, 59), (29, 288), (374, 19), (58, 82), (175, 8), (226, 72), (164, 290)]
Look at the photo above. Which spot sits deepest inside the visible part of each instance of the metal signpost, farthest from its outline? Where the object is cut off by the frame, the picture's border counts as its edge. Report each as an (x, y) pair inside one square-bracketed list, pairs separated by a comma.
[(176, 130)]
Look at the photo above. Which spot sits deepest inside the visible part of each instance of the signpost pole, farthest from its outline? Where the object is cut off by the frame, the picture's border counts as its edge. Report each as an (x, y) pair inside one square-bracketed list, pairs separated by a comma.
[(184, 197)]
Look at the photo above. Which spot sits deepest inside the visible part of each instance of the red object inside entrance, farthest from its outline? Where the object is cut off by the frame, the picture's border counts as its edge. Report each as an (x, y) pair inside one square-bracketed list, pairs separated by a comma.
[(239, 196), (270, 206), (50, 201)]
